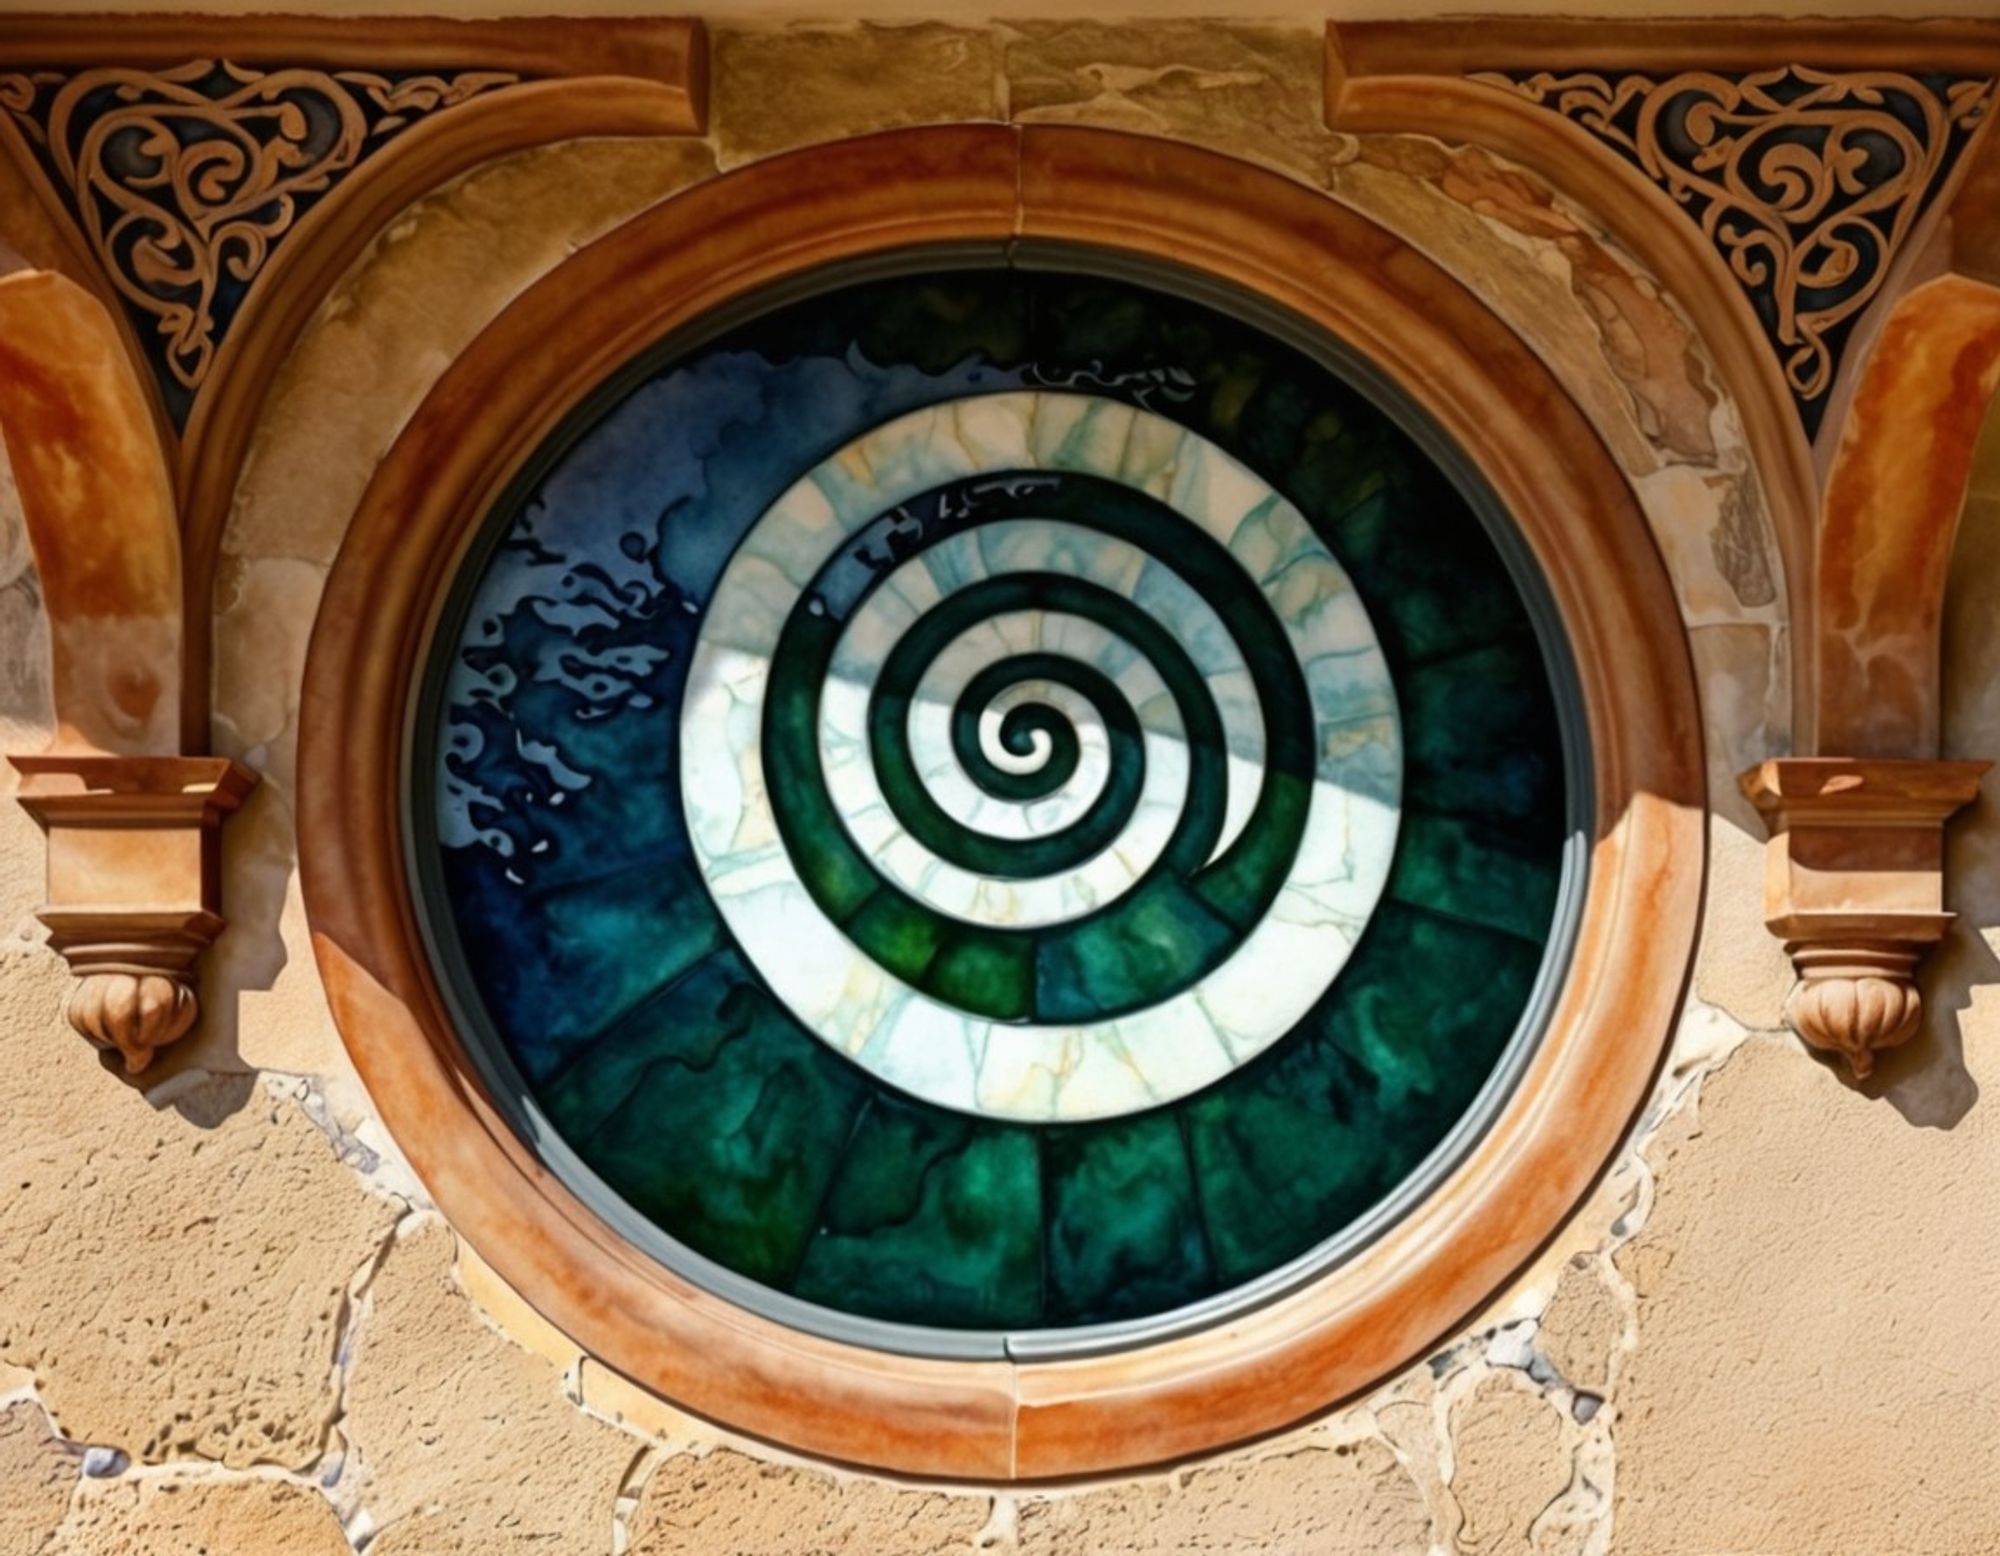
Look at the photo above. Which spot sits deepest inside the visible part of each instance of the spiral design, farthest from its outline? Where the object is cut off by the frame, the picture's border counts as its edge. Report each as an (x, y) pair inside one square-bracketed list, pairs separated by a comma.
[(831, 875), (1041, 757)]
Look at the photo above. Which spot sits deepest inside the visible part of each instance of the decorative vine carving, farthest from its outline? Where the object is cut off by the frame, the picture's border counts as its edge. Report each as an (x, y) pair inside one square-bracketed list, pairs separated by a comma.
[(1806, 181), (185, 178)]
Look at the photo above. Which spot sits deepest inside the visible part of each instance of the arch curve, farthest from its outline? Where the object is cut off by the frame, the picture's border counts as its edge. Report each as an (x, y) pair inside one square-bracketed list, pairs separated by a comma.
[(1644, 221), (305, 269), (98, 503)]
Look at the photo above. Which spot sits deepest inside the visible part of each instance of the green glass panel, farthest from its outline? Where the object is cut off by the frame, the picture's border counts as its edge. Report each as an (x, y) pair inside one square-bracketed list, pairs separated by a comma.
[(1476, 871), (1124, 1221), (935, 1219), (711, 1113), (1317, 1133)]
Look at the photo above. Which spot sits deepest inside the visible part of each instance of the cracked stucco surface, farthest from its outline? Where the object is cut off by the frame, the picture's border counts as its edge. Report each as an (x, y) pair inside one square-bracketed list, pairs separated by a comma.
[(694, 1504), (1802, 1367), (37, 1475), (1510, 1463), (1346, 1499), (198, 1515), (230, 1323)]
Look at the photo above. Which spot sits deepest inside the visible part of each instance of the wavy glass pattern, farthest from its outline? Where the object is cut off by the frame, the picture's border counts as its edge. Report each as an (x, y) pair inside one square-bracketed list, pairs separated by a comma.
[(993, 801)]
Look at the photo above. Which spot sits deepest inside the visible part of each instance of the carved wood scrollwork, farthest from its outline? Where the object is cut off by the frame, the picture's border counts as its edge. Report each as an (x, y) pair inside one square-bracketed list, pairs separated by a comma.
[(1806, 181), (184, 178)]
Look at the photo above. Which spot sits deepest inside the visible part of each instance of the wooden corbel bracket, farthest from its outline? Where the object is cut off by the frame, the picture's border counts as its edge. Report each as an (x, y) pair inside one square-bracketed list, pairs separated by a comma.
[(134, 883), (1854, 886)]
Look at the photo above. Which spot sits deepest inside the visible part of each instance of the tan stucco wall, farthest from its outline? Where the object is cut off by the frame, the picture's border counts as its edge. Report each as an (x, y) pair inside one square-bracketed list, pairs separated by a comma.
[(231, 1322)]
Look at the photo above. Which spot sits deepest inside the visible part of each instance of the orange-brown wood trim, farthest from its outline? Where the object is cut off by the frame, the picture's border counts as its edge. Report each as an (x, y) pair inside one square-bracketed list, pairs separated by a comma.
[(1892, 509), (1956, 234), (1643, 219), (783, 217), (1452, 47), (667, 51), (306, 267)]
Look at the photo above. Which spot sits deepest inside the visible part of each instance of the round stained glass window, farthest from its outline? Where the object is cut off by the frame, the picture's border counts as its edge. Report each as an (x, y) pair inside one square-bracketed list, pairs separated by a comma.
[(995, 810)]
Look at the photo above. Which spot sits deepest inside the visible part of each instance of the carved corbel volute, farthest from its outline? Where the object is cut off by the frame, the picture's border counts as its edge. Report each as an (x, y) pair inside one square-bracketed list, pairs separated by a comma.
[(1854, 886), (134, 885)]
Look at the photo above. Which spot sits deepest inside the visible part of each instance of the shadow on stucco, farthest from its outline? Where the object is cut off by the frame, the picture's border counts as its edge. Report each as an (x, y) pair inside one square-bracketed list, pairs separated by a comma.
[(1927, 1080), (259, 863)]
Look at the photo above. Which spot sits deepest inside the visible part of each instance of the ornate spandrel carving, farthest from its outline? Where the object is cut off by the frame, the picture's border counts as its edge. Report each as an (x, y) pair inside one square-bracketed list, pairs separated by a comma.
[(1806, 181), (184, 179)]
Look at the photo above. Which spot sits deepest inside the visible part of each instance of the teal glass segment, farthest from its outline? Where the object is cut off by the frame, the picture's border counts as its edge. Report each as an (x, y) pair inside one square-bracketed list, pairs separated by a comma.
[(993, 801)]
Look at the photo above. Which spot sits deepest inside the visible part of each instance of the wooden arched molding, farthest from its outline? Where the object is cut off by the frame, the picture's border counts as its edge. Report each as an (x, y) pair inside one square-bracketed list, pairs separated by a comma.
[(1891, 516), (539, 81), (132, 872), (1856, 888), (995, 1420), (37, 227)]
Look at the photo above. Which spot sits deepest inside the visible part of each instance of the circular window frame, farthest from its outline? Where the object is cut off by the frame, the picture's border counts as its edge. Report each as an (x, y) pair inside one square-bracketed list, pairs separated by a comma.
[(967, 192), (488, 1051)]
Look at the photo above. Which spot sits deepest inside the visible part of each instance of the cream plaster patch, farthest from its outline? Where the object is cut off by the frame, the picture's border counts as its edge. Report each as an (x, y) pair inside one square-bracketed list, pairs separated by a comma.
[(463, 1443)]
